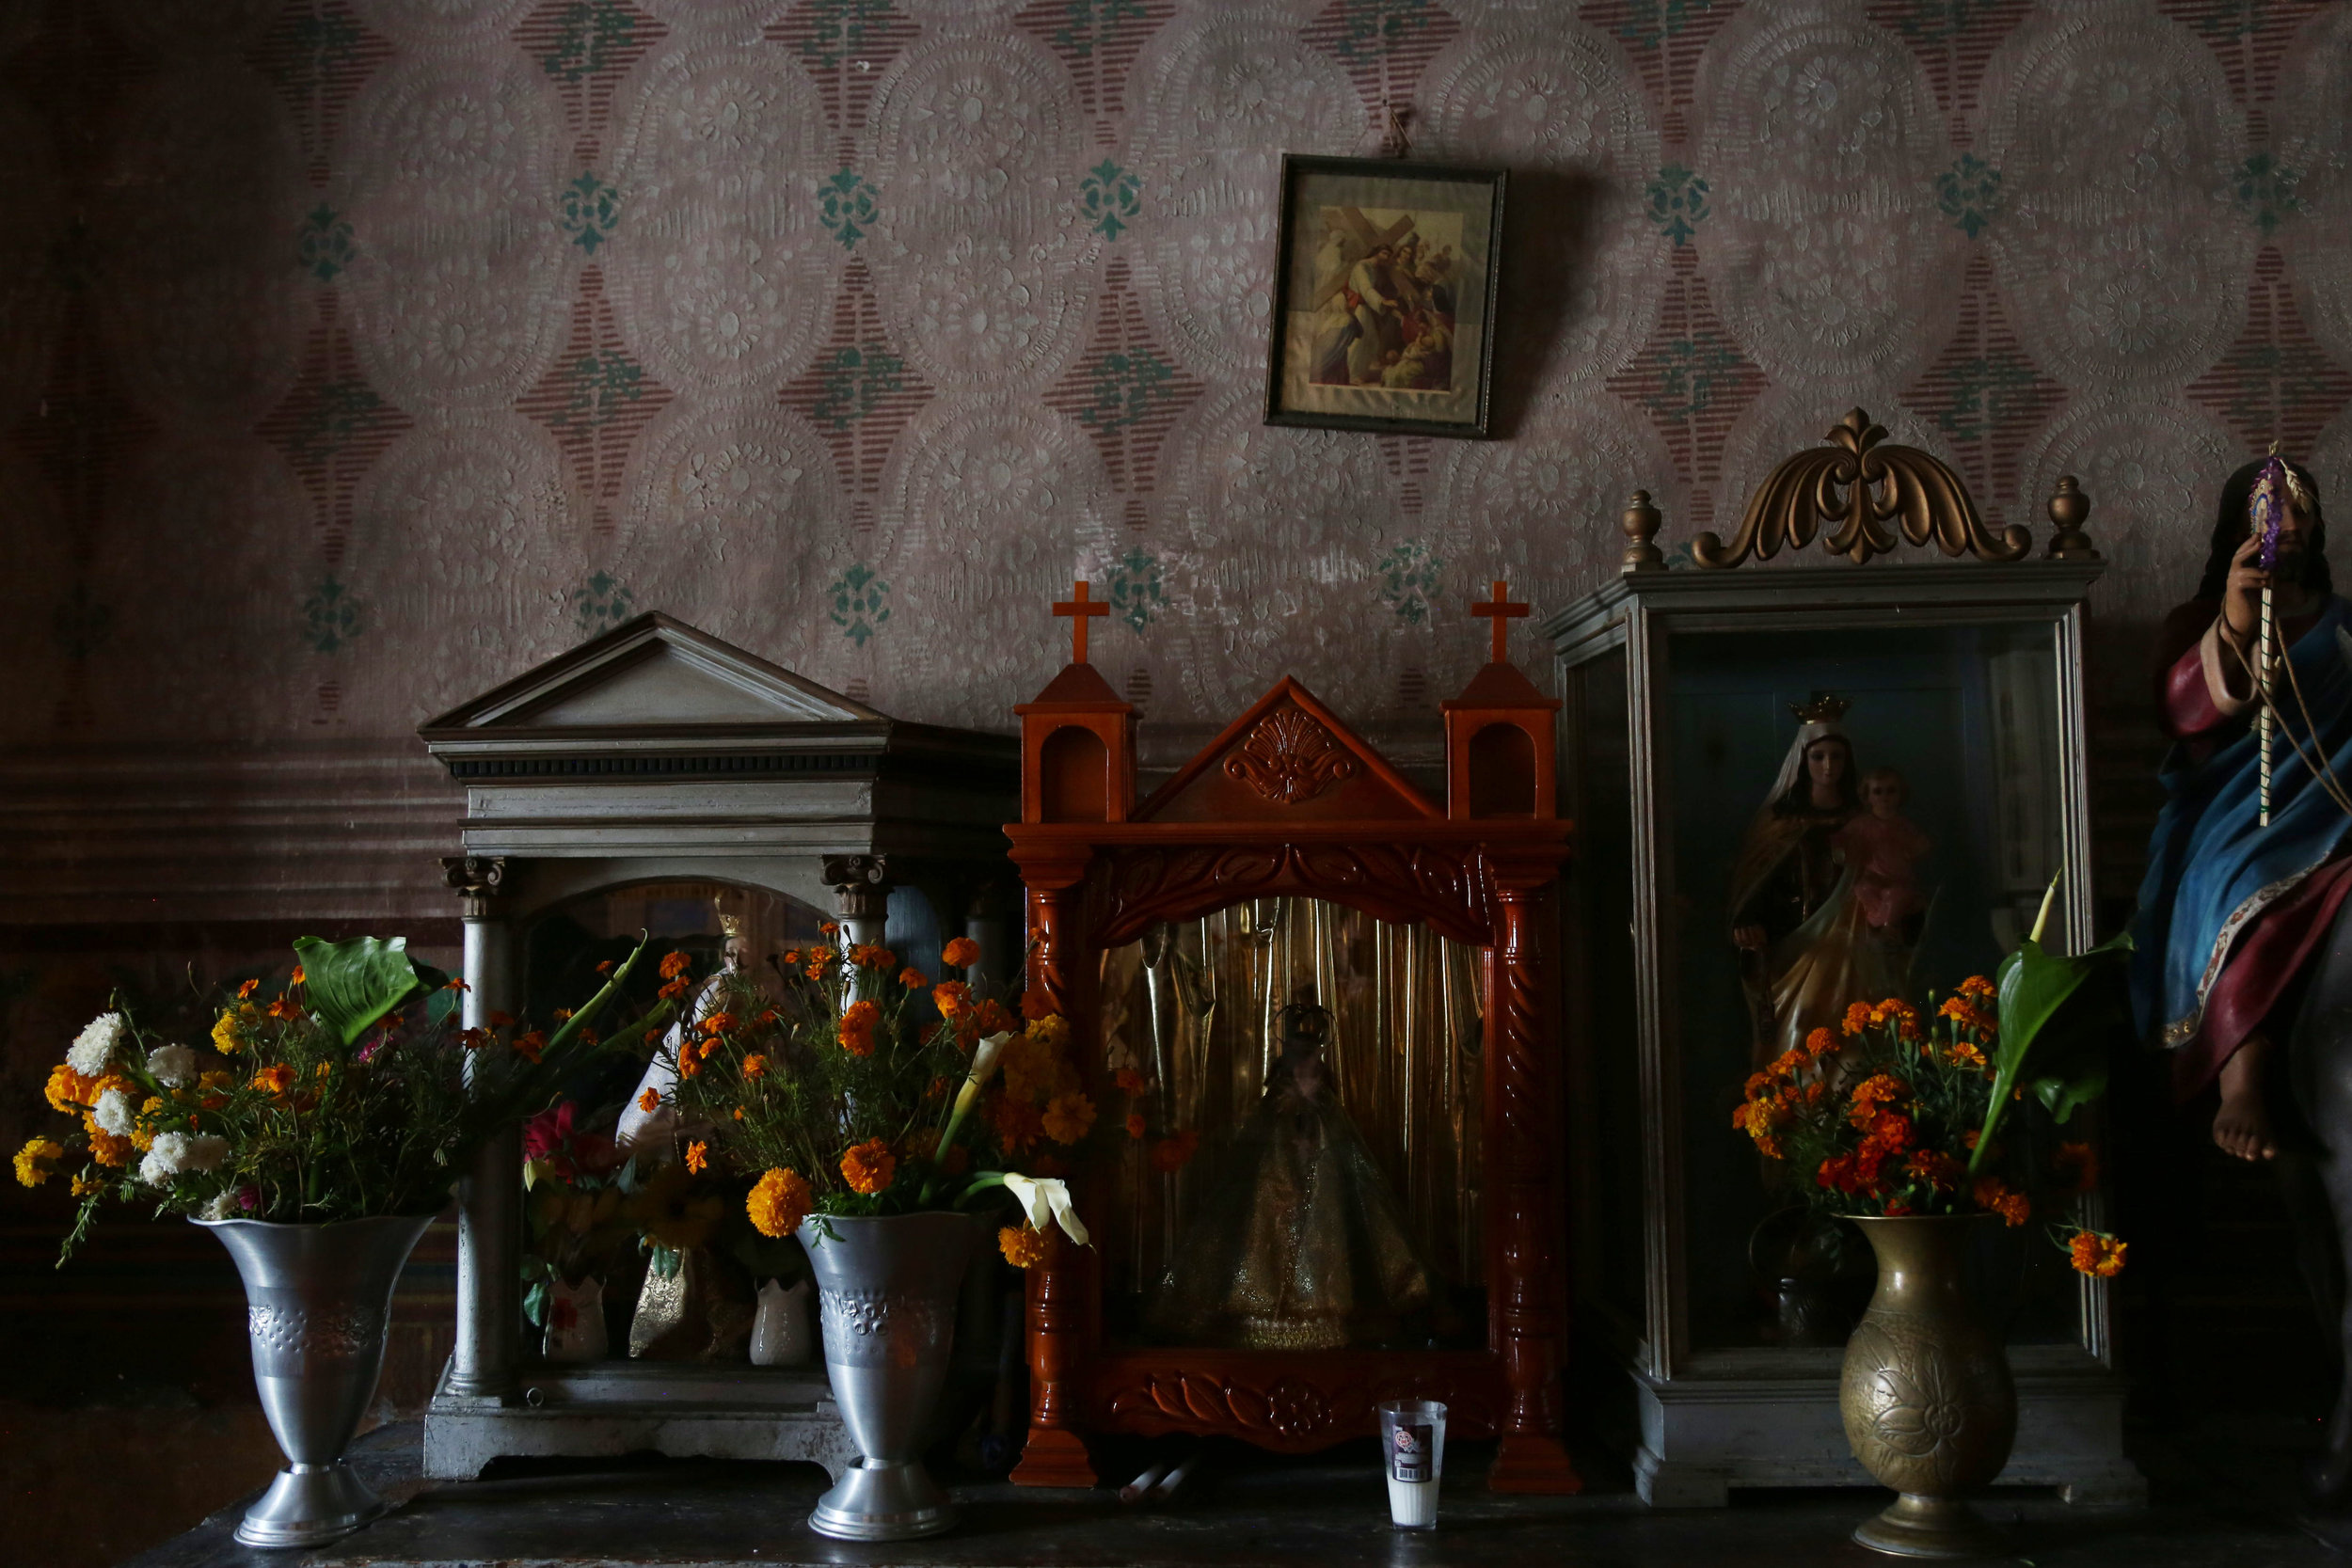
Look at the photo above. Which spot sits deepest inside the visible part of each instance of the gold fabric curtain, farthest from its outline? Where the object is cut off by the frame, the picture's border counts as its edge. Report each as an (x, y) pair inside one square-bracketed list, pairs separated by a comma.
[(1402, 1060)]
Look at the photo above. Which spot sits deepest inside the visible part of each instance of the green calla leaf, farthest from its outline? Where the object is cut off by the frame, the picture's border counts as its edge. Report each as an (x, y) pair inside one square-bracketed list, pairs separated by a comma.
[(2057, 1014), (352, 985)]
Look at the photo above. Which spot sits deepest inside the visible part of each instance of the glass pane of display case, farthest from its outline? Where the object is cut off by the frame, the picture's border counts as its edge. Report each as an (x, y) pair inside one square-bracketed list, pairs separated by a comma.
[(1855, 815), (1301, 1168)]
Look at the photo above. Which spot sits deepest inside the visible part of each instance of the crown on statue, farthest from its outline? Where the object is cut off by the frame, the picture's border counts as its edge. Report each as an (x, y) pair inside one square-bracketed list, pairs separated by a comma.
[(730, 925), (1825, 708)]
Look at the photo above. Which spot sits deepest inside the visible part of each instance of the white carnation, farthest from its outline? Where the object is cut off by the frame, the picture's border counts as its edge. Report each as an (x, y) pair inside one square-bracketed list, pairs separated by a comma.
[(93, 1049), (113, 1114), (175, 1152), (171, 1066), (223, 1206)]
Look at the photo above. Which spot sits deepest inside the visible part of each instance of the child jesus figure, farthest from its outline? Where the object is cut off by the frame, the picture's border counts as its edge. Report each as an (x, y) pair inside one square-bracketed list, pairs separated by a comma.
[(1885, 847)]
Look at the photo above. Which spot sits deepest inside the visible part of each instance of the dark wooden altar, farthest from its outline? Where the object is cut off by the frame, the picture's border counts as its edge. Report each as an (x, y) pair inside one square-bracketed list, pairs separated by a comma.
[(1288, 801)]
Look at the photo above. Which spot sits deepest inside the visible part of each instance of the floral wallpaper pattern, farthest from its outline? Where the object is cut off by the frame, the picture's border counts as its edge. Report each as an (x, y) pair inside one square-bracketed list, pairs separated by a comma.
[(356, 354)]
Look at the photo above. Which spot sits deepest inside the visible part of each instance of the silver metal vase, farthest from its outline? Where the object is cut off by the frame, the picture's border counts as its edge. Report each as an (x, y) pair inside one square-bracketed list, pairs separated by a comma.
[(886, 1292), (316, 1300)]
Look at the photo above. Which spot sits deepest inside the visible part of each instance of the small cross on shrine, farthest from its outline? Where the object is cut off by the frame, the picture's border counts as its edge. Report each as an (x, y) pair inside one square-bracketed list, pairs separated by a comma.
[(1082, 609), (1500, 610)]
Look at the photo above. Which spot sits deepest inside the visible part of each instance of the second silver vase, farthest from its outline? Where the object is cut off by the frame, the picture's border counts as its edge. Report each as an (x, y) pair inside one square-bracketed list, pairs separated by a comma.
[(886, 1298)]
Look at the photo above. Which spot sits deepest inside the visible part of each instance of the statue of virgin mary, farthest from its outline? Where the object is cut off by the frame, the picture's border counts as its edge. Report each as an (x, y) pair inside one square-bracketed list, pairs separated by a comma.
[(1805, 948)]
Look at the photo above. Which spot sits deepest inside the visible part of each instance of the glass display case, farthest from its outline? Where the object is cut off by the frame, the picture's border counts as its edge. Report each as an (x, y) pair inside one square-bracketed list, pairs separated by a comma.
[(1718, 916), (659, 781)]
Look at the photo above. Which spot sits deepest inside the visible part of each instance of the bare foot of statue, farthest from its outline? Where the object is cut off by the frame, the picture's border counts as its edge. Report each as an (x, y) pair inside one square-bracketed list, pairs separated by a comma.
[(2242, 1126)]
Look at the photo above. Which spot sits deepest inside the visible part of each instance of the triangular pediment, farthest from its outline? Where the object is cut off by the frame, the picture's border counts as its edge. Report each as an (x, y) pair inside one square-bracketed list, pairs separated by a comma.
[(1287, 758), (653, 673)]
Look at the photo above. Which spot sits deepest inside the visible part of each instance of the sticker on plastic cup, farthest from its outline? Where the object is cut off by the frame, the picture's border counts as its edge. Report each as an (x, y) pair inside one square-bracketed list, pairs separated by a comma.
[(1413, 1453)]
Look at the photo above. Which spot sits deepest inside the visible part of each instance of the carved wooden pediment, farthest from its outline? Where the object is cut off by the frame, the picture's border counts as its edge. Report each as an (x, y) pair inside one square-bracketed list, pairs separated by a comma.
[(1288, 757)]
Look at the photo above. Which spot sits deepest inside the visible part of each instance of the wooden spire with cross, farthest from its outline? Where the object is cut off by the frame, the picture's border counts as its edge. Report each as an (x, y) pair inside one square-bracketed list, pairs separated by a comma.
[(1082, 609), (1500, 610)]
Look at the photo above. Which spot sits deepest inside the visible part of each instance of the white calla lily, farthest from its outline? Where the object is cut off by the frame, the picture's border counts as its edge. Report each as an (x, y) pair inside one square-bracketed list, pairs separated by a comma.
[(1043, 1202), (983, 1066)]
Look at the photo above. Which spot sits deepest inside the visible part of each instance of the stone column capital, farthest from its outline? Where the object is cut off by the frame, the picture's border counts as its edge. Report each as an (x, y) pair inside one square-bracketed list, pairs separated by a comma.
[(476, 880)]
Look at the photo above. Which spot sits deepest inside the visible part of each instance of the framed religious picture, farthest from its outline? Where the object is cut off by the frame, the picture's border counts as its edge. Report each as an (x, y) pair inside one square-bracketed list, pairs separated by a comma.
[(1385, 296)]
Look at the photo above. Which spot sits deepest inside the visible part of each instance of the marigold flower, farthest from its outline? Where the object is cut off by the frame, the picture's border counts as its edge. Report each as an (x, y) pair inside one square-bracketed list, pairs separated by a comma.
[(1018, 1124), (674, 991), (828, 929), (500, 1019), (604, 968), (68, 1090), (273, 1080), (1857, 1018), (1993, 1194), (2077, 1166), (993, 1018), (246, 989), (856, 1028), (1873, 1092), (869, 955), (689, 1064), (738, 1113), (1135, 1124), (953, 998), (36, 1160), (226, 1038), (716, 1023), (698, 1157), (104, 1147), (1022, 1246), (675, 964), (1035, 1004), (529, 1046), (562, 1015), (143, 1131), (779, 1201), (912, 978), (870, 1167), (1964, 1055), (1938, 1169), (87, 1186), (1050, 1031), (1131, 1081), (961, 953), (1978, 988), (755, 1066), (297, 976), (815, 970), (2092, 1253), (1820, 1043), (1067, 1117), (1174, 1153), (649, 1101)]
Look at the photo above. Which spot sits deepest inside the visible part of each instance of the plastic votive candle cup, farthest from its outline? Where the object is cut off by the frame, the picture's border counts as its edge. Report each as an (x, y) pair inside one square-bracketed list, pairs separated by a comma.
[(1412, 1443)]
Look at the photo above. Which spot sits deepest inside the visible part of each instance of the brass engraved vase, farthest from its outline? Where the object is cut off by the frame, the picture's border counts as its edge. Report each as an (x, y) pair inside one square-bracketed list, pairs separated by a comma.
[(1929, 1407)]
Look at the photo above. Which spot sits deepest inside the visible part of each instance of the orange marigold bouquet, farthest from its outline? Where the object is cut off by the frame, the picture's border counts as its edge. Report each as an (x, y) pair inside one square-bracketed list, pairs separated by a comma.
[(350, 1093), (1892, 1113), (847, 1096)]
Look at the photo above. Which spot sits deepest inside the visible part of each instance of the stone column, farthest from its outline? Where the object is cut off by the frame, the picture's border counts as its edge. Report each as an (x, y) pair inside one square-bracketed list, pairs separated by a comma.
[(984, 922), (861, 902), (490, 1193)]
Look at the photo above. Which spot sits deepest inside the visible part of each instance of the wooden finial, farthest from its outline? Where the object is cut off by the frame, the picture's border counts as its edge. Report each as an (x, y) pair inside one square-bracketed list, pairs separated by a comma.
[(1080, 610), (1640, 521), (1502, 612), (2069, 506)]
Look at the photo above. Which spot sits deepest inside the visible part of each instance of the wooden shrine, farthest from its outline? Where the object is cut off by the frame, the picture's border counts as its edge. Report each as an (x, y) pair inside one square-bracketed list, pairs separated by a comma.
[(1288, 801)]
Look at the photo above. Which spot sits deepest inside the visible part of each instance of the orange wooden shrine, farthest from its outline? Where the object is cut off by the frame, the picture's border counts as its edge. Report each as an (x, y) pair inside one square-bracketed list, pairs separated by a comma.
[(1287, 800)]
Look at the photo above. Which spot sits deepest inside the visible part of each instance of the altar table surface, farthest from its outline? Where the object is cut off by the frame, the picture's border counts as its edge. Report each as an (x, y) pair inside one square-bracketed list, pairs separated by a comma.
[(2231, 1507)]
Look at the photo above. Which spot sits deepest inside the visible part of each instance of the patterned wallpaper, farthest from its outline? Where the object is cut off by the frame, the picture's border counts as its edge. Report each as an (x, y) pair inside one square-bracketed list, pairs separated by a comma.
[(356, 354)]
